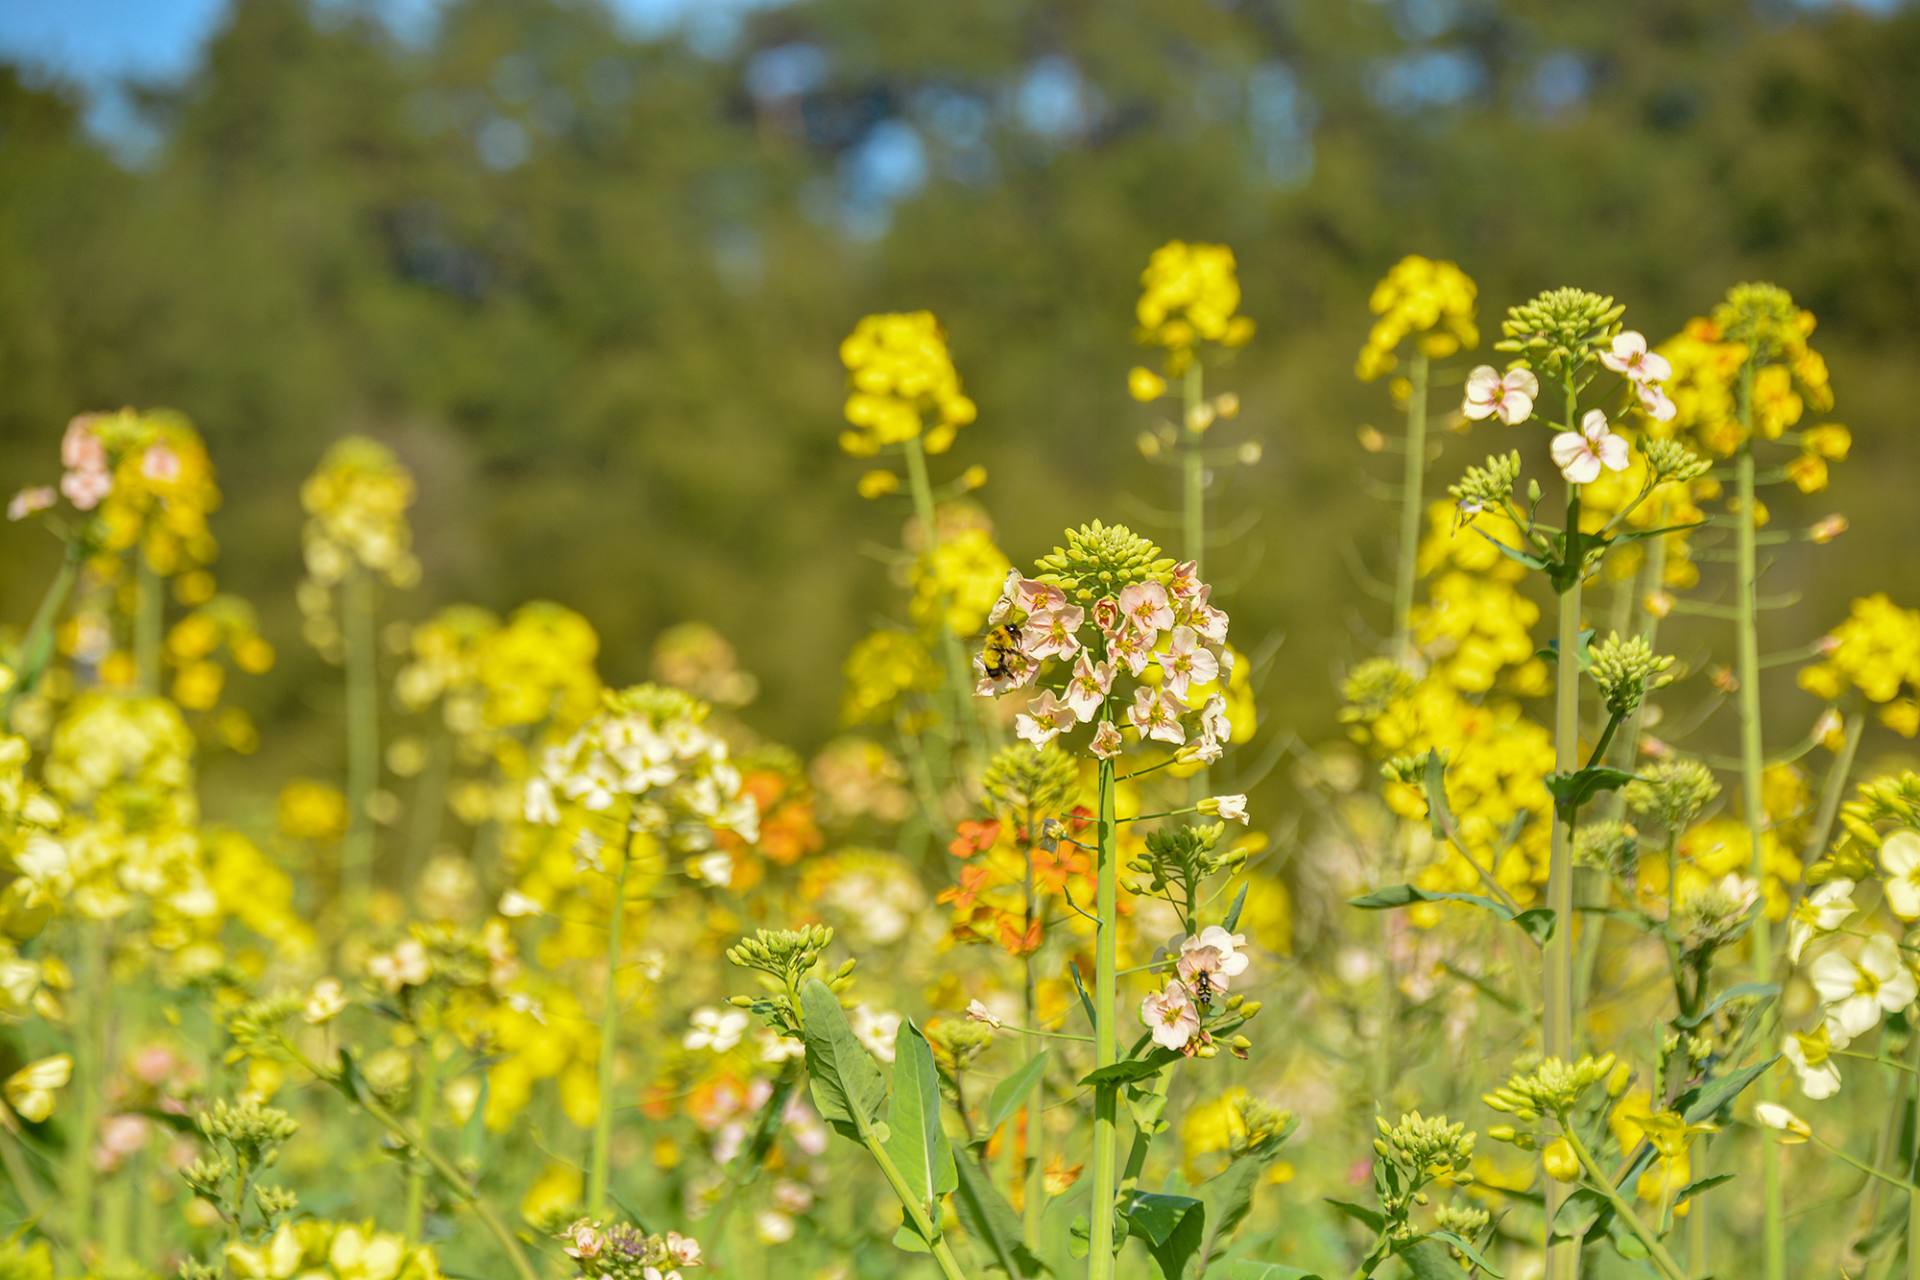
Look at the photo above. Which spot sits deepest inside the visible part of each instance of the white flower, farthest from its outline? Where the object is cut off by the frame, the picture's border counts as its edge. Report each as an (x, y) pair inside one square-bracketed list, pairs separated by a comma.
[(1043, 720), (1186, 663), (1087, 690), (1809, 1054), (326, 1001), (515, 905), (1791, 1127), (978, 1012), (1232, 808), (776, 1048), (1631, 359), (1053, 633), (875, 1030), (714, 868), (1156, 715), (1820, 912), (1106, 742), (1507, 396), (716, 1029), (407, 965), (1171, 1016), (1858, 990), (1580, 454), (1230, 946), (1900, 855)]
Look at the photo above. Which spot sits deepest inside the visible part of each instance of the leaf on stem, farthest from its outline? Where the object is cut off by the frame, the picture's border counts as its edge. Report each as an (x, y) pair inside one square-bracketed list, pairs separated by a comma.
[(1536, 921)]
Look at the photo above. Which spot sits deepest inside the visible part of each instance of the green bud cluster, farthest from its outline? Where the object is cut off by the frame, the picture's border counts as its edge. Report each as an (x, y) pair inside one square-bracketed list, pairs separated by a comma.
[(1763, 317), (1370, 687), (1181, 858), (659, 705), (1488, 487), (1433, 1148), (1668, 459), (1100, 561), (960, 1042), (1560, 331), (255, 1027), (1552, 1088), (1626, 671), (1039, 783), (1465, 1221), (1674, 791), (1609, 846), (1261, 1126), (785, 955)]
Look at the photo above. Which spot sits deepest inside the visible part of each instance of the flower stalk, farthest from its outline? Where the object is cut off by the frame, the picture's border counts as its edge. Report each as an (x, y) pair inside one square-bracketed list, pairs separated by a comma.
[(609, 1036), (1106, 1098), (363, 732)]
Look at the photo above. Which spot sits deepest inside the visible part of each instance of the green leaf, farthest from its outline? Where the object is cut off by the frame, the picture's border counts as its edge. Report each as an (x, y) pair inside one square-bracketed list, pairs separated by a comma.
[(847, 1089), (1086, 1001), (1368, 1218), (1512, 552), (1572, 790), (1704, 1101), (1427, 1259), (1229, 1195), (1578, 1213), (1010, 1093), (1536, 921), (1248, 1269), (986, 1216), (915, 1140), (473, 1134), (1763, 990), (1467, 1251), (1128, 1070), (1641, 535), (1170, 1226), (1239, 902)]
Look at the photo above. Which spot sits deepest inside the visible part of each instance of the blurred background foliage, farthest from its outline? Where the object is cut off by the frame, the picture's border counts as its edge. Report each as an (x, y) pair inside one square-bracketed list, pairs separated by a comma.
[(588, 276)]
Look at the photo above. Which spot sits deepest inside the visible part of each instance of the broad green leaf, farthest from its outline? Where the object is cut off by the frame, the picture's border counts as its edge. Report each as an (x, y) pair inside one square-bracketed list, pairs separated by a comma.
[(1572, 790), (1705, 1101), (1128, 1070), (986, 1216), (1239, 903), (1745, 990), (1537, 922), (847, 1088), (1229, 1195), (1170, 1226), (915, 1140), (1248, 1269), (1008, 1096), (1467, 1251), (1579, 1212), (1369, 1218), (1428, 1259)]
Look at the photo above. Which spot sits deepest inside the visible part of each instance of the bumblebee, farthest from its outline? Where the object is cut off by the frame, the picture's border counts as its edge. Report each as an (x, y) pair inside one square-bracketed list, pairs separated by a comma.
[(1001, 647)]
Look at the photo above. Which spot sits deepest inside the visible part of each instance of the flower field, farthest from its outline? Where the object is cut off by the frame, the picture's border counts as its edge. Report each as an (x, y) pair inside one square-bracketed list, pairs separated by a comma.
[(540, 975)]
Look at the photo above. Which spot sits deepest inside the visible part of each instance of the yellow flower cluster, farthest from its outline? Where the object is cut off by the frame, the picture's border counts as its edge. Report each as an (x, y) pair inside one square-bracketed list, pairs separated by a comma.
[(316, 1250), (901, 385), (1420, 298), (163, 490), (1189, 295), (194, 645), (956, 583), (1877, 651), (1672, 503), (356, 504), (1475, 627), (882, 671), (1789, 379)]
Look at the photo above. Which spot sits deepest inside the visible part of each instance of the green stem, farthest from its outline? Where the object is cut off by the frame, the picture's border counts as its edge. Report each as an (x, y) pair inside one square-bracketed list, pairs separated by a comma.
[(1106, 1098), (1412, 508), (1031, 1205), (942, 1252), (966, 723), (90, 1076), (1835, 786), (609, 1035), (425, 1089), (1913, 1174), (363, 731), (149, 623), (36, 647), (1604, 1185), (1563, 1257)]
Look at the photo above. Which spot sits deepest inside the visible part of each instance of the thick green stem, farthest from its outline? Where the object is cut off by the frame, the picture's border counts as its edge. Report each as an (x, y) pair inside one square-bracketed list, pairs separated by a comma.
[(917, 1215), (363, 731), (1106, 1098), (36, 647), (1563, 1257), (1604, 1185), (1033, 1200), (94, 993), (426, 1087), (149, 622), (1913, 1172), (609, 1038), (1752, 766), (1412, 509), (966, 723)]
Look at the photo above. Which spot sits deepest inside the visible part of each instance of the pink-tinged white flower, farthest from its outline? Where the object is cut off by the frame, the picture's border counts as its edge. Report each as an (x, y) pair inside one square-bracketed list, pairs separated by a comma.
[(1655, 402), (1810, 1053), (407, 965), (80, 447), (1106, 742), (1580, 454), (1053, 632), (1818, 914), (1900, 856), (1043, 720), (325, 1002), (1023, 596), (1507, 396), (684, 1250), (1087, 690), (1631, 359), (28, 501), (1210, 622), (1232, 808), (85, 489), (1107, 615), (1146, 606), (1202, 750), (160, 464), (1231, 948), (1196, 960), (1132, 648), (584, 1240), (1857, 990), (1156, 715), (1185, 582), (1186, 662), (978, 1012), (1018, 671), (1171, 1017), (1213, 719)]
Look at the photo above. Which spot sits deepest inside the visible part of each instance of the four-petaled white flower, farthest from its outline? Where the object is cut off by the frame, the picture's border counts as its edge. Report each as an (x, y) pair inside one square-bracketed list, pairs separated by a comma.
[(1508, 397), (1232, 808), (875, 1031), (1146, 606), (1156, 715), (1087, 690), (1631, 359), (1171, 1016), (978, 1012), (1106, 742), (1186, 662), (1580, 454), (1791, 1127), (1810, 1053), (1900, 855), (1212, 951), (1820, 912), (1053, 632), (1857, 990), (1044, 719), (716, 1029)]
